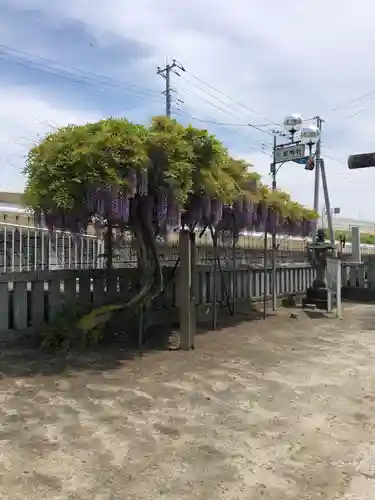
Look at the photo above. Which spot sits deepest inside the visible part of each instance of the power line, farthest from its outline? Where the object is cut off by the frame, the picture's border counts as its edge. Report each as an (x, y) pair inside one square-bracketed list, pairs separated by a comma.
[(70, 77), (344, 176), (214, 105), (355, 114), (165, 73), (49, 70), (257, 127), (213, 96), (250, 125), (262, 147), (225, 104), (271, 122), (228, 124), (363, 96), (47, 63), (356, 102)]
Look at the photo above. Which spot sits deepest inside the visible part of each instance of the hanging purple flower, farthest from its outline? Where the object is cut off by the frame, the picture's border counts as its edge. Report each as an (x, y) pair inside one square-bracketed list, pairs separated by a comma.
[(142, 183), (261, 216), (273, 220), (306, 228), (161, 209), (131, 179), (173, 220), (194, 211), (248, 213), (216, 211), (205, 204), (123, 209)]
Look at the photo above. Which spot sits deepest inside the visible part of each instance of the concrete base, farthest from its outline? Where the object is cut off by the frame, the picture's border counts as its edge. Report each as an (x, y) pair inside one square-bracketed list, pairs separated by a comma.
[(317, 297)]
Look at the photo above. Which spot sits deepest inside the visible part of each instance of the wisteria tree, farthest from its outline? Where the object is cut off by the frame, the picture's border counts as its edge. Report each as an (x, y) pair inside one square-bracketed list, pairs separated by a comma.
[(149, 180)]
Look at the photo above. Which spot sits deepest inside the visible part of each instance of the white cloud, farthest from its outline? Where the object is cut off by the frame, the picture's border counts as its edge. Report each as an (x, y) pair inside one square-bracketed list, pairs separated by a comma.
[(274, 57), (24, 118)]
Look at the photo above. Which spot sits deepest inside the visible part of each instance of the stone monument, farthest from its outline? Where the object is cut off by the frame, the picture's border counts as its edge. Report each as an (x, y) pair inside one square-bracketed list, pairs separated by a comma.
[(317, 253)]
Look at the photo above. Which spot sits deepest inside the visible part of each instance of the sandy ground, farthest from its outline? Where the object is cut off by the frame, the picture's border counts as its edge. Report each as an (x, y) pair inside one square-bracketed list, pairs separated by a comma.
[(276, 410)]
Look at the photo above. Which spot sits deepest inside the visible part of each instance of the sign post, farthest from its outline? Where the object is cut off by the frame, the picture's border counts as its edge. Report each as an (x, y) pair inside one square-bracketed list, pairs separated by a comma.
[(333, 276), (289, 152)]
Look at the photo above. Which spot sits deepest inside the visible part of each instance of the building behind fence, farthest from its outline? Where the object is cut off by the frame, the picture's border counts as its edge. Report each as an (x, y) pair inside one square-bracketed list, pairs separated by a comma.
[(24, 248), (27, 248)]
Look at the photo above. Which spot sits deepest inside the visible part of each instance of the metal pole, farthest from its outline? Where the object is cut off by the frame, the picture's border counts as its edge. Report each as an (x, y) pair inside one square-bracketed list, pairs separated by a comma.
[(327, 202), (274, 248), (168, 91), (317, 176), (265, 272), (166, 74)]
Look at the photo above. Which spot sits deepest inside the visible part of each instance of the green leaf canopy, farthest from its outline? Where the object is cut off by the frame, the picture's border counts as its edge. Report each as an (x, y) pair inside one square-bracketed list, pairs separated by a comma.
[(182, 161)]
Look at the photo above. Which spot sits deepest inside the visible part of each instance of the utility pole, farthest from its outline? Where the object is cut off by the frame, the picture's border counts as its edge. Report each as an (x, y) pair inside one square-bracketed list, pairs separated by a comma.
[(166, 74), (320, 171), (317, 175), (274, 228), (327, 203), (274, 171)]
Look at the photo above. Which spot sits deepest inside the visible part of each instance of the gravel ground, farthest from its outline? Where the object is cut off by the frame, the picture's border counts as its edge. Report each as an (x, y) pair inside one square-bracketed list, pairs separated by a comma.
[(276, 410)]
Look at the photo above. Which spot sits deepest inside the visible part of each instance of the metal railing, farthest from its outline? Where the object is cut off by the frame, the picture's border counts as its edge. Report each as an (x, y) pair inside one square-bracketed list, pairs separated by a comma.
[(25, 248)]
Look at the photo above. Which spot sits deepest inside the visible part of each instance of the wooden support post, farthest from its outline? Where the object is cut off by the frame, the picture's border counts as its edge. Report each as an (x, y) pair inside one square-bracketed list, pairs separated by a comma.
[(109, 244), (193, 252), (214, 279), (234, 263), (184, 291)]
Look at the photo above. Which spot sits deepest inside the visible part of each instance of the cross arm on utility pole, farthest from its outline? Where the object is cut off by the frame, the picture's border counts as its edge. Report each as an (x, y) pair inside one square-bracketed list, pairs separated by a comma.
[(166, 74), (169, 67)]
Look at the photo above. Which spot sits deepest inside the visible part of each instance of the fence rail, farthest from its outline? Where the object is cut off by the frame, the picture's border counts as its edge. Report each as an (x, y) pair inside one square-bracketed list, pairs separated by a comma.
[(358, 280), (29, 299), (24, 248)]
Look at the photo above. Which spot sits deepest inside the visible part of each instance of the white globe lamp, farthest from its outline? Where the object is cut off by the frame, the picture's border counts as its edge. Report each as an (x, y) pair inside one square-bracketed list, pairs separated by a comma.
[(310, 135), (293, 123)]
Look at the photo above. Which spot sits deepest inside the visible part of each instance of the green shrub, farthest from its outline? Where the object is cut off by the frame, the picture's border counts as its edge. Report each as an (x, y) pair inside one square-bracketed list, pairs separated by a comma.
[(366, 238), (64, 333)]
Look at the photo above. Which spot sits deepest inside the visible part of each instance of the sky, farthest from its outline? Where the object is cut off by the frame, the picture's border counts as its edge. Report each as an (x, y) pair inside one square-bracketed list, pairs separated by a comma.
[(247, 62)]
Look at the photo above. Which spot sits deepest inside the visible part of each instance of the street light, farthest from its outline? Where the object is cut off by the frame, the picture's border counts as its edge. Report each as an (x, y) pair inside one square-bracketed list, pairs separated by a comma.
[(293, 123), (310, 135), (290, 151)]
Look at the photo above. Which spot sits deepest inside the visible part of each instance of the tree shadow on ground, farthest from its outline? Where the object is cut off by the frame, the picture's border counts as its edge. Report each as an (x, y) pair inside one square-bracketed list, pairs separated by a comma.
[(224, 319), (24, 358), (315, 314)]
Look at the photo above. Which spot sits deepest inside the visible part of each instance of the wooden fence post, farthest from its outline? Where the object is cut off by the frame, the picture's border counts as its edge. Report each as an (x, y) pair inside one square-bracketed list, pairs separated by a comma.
[(193, 288), (184, 292)]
